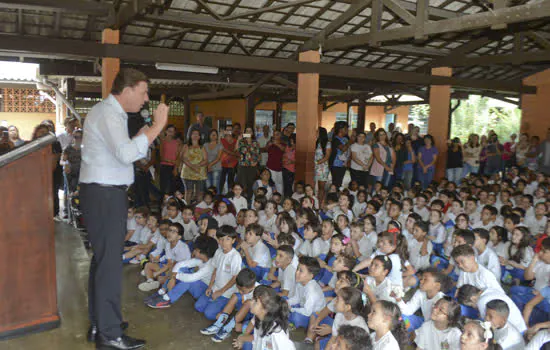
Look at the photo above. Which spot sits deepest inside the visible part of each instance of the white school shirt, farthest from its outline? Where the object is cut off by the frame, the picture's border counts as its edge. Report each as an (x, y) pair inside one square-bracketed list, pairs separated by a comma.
[(526, 258), (542, 337), (311, 248), (131, 224), (403, 219), (287, 278), (191, 230), (160, 245), (536, 226), (260, 254), (420, 301), (156, 237), (340, 320), (269, 225), (177, 219), (387, 342), (424, 213), (239, 203), (203, 205), (395, 275), (227, 266), (438, 231), (179, 252), (481, 279), (325, 245), (418, 261), (278, 340), (480, 224), (542, 275), (310, 298), (337, 211), (428, 337), (203, 274), (367, 245), (381, 291), (136, 236), (489, 259), (359, 208), (227, 219), (297, 241), (509, 338), (501, 248), (515, 317), (145, 235)]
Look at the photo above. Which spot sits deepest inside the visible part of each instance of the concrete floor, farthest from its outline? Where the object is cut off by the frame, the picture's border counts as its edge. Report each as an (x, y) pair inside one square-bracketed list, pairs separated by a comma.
[(174, 328)]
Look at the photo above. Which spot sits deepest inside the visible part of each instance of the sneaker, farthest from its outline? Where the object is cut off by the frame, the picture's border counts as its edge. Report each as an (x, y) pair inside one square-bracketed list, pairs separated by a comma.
[(149, 286), (142, 273), (210, 330), (134, 261), (150, 298), (221, 335), (160, 303)]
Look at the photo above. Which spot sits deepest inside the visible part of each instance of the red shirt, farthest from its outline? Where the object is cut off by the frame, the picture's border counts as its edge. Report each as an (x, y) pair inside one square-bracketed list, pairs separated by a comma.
[(227, 160), (275, 158)]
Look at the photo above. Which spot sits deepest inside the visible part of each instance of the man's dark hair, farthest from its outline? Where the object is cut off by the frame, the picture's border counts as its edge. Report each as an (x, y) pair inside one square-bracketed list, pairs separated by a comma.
[(257, 229), (228, 231), (467, 235), (127, 77), (287, 249), (499, 306), (246, 278), (462, 250), (482, 233)]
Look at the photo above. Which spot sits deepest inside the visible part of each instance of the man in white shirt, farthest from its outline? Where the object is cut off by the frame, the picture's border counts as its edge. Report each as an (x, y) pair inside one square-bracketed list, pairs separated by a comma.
[(107, 170)]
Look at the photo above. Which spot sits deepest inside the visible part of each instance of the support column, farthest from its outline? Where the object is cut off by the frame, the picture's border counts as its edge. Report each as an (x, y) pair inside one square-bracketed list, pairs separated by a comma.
[(361, 115), (187, 115), (439, 123), (278, 116), (534, 107), (109, 66), (307, 120), (250, 114)]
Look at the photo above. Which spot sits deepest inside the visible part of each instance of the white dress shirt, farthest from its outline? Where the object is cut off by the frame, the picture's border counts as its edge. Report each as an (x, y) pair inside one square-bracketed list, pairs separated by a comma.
[(108, 153)]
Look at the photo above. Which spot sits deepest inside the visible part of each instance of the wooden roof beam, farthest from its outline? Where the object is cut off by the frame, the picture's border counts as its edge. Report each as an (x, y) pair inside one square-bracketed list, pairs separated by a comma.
[(263, 10), (63, 6)]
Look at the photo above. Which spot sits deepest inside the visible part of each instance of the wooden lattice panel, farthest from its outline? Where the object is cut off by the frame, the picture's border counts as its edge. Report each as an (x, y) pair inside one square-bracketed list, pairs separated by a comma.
[(26, 101)]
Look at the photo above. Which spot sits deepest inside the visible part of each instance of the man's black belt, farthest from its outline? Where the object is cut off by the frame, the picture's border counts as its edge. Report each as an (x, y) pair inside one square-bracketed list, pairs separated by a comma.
[(118, 187)]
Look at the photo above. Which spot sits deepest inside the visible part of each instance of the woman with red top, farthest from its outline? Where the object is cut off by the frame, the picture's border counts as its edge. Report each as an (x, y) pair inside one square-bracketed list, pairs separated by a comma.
[(229, 159), (168, 155), (289, 165), (275, 150)]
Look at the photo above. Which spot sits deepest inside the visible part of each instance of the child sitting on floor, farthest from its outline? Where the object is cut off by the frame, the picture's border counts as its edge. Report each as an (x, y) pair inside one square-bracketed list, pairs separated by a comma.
[(308, 296)]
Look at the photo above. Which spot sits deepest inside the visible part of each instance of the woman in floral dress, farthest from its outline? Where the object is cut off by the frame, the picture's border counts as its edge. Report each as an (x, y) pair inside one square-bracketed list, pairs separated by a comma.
[(322, 154)]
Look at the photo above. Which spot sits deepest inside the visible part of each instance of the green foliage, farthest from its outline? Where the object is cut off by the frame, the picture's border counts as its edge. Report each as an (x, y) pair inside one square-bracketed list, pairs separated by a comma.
[(478, 115)]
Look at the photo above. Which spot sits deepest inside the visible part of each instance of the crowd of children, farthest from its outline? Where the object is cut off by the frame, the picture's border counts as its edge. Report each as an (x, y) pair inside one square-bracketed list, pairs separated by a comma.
[(447, 267)]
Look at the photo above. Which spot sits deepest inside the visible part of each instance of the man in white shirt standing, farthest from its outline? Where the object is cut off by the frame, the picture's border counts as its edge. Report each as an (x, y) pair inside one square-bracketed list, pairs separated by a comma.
[(107, 170)]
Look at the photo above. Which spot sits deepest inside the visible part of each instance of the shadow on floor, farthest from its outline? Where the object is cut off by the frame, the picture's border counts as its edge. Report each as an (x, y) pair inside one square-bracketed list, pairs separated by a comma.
[(165, 329)]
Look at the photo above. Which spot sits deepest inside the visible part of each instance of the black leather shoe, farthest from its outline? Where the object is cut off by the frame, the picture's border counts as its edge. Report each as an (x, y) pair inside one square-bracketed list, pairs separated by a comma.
[(92, 331), (122, 343)]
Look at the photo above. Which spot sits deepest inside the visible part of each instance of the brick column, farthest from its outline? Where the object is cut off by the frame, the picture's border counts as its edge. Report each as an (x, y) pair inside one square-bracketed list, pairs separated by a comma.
[(307, 119), (109, 66), (534, 107), (438, 124)]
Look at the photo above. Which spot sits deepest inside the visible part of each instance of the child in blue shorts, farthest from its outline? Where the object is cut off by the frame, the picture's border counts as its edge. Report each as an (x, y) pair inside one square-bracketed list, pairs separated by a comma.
[(190, 276), (227, 263), (239, 302), (308, 296)]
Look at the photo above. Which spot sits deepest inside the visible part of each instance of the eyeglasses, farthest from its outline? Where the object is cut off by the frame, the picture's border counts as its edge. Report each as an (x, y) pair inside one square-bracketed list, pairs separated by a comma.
[(174, 230), (139, 216)]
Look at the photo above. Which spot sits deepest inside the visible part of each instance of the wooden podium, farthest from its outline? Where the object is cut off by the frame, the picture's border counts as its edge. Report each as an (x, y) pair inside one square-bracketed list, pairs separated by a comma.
[(28, 295)]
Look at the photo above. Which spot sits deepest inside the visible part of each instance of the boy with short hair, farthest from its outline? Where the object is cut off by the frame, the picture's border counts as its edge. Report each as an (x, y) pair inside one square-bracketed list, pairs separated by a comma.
[(285, 282), (486, 256), (420, 207), (191, 230), (227, 264), (537, 222), (488, 217), (175, 252), (505, 334), (255, 253), (308, 296), (478, 299), (160, 241), (137, 253), (470, 271), (133, 237), (342, 263), (239, 302), (190, 276)]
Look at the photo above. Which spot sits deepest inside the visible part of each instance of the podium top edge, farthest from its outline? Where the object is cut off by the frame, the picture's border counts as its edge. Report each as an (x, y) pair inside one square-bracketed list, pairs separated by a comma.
[(26, 149)]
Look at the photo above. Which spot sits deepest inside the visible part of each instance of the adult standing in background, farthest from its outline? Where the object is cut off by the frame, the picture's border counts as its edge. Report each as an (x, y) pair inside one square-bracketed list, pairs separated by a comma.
[(275, 151), (361, 159), (66, 138), (382, 168), (193, 161), (214, 152), (262, 142), (229, 158), (106, 172), (289, 166), (401, 155), (249, 158), (427, 158), (544, 154), (204, 130), (340, 153), (168, 156), (509, 153), (494, 155), (370, 135), (14, 137), (522, 148), (323, 149), (471, 153), (455, 164)]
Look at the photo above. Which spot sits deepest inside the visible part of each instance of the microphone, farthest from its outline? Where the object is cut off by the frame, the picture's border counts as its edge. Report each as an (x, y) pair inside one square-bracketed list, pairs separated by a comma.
[(146, 115)]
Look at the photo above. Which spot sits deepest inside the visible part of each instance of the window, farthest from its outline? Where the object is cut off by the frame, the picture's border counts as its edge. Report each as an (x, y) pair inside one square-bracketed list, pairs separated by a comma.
[(264, 117), (288, 117)]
